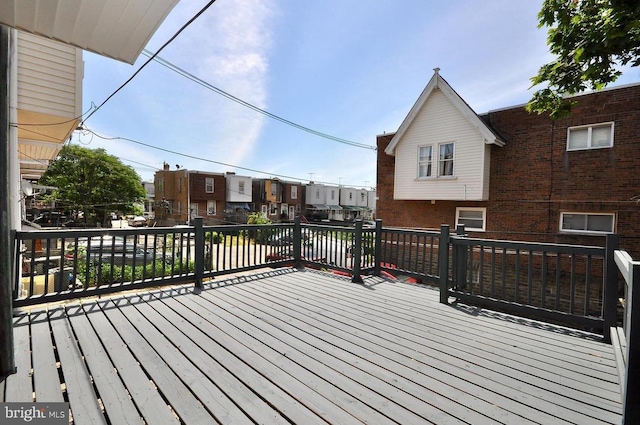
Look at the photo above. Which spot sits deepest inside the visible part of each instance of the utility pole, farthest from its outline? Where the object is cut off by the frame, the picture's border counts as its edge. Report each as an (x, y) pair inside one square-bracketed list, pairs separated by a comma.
[(7, 361)]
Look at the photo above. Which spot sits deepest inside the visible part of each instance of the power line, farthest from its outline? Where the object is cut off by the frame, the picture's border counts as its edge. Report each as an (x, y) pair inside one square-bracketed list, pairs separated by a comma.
[(199, 158), (188, 75), (189, 22)]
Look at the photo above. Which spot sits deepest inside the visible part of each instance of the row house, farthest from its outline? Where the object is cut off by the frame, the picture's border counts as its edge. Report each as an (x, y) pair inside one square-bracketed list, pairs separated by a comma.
[(277, 200), (509, 174), (181, 195), (338, 203)]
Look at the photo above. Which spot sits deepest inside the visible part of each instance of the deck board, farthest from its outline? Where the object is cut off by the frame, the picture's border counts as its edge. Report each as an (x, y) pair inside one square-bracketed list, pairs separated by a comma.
[(45, 372), (83, 402), (19, 386), (415, 351), (309, 348)]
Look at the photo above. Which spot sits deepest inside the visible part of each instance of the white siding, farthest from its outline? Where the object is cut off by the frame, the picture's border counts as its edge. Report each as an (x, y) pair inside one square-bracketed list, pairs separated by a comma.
[(439, 121), (316, 194), (49, 76), (360, 202), (344, 196), (233, 189)]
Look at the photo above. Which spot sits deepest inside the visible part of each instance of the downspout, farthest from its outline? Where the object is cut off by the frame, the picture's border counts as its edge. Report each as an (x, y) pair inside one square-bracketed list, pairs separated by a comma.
[(7, 361)]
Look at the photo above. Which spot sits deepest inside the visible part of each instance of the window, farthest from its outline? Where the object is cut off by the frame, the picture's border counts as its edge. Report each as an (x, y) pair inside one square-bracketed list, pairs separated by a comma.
[(424, 161), (445, 162), (333, 195), (362, 197), (472, 218), (590, 137), (587, 222), (350, 196), (211, 207), (160, 184), (274, 189), (273, 208), (208, 185), (240, 187), (263, 211), (298, 207), (317, 193), (294, 192)]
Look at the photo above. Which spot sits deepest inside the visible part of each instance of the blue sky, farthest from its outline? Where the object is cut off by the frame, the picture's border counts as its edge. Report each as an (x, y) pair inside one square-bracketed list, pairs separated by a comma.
[(348, 68)]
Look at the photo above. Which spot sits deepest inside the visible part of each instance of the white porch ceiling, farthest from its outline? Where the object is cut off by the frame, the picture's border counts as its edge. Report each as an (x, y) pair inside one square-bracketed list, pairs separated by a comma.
[(119, 29)]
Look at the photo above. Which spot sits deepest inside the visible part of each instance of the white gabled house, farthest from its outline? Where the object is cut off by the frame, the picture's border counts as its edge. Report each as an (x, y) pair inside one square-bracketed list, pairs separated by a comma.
[(442, 149)]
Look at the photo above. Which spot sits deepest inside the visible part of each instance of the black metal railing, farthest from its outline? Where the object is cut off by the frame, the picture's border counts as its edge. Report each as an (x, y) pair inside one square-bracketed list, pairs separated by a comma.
[(563, 283)]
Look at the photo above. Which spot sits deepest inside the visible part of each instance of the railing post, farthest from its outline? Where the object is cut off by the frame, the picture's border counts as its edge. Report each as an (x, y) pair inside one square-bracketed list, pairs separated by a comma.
[(610, 278), (297, 243), (199, 260), (443, 263), (631, 409), (357, 253), (460, 261), (378, 248)]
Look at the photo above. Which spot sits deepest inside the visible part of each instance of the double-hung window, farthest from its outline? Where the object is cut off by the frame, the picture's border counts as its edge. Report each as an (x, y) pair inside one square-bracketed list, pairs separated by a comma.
[(241, 187), (445, 160), (424, 161), (208, 184), (597, 223), (473, 218), (294, 192), (590, 137)]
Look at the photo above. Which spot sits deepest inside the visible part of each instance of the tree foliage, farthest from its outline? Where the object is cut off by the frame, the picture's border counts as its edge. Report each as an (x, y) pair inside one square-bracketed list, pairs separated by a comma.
[(590, 39), (94, 182)]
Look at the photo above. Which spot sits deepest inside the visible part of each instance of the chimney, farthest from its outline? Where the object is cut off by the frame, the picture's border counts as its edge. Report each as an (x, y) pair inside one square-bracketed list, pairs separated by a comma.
[(165, 166)]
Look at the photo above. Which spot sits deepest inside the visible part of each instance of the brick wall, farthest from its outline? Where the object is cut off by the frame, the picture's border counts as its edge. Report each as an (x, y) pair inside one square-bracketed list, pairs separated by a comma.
[(534, 178)]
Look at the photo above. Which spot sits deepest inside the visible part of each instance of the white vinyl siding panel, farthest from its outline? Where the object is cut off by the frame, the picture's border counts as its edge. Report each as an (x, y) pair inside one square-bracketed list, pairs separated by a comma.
[(438, 122), (49, 77)]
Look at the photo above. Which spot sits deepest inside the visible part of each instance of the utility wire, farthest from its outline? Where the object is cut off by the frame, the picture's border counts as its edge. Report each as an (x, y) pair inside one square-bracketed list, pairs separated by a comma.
[(203, 159), (189, 22), (188, 75)]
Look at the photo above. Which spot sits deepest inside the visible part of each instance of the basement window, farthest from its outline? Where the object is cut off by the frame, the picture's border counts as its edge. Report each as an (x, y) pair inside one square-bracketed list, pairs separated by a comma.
[(596, 223), (474, 219)]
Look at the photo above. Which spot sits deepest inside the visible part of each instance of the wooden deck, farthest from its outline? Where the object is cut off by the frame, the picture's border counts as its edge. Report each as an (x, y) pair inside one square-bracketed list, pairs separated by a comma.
[(308, 348)]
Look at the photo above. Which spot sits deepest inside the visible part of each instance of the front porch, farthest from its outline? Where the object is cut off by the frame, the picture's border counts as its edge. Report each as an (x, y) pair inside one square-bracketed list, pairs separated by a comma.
[(289, 346)]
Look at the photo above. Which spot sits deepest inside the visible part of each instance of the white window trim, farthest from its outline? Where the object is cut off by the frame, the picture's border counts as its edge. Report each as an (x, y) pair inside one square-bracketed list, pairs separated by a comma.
[(430, 176), (215, 209), (453, 161), (206, 185), (586, 232), (294, 192), (484, 218), (590, 130)]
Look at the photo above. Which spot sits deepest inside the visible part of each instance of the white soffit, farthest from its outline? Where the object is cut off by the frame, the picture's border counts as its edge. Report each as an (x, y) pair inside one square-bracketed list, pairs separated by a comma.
[(119, 29)]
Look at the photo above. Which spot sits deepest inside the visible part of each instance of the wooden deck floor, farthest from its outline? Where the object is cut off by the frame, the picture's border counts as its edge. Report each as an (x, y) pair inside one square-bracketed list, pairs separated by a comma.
[(308, 348)]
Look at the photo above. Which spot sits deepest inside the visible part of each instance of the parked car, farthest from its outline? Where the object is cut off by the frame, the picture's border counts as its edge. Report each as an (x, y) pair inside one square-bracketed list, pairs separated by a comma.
[(117, 251), (137, 221)]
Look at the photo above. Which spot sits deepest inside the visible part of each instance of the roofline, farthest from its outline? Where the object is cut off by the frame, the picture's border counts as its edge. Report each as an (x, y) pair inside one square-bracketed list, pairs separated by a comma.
[(586, 93)]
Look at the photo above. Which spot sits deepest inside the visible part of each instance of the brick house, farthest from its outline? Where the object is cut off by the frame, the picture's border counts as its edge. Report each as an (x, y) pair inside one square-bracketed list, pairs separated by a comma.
[(267, 197), (513, 175), (180, 192)]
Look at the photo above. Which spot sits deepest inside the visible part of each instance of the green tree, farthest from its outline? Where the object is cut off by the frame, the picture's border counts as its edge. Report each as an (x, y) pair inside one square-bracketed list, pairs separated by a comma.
[(94, 182), (590, 39)]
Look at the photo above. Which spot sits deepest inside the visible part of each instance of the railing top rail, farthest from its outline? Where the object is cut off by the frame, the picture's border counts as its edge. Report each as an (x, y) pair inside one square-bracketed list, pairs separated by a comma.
[(625, 264), (411, 231), (533, 246)]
